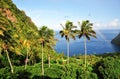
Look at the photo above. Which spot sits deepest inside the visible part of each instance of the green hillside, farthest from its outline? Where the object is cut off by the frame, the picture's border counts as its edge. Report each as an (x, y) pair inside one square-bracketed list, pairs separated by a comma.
[(15, 29)]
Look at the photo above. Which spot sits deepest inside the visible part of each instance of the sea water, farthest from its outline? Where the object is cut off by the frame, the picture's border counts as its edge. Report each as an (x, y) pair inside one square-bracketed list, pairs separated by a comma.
[(101, 44)]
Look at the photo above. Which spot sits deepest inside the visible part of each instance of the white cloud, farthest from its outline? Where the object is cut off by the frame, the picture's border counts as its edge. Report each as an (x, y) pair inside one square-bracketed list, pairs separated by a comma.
[(114, 24)]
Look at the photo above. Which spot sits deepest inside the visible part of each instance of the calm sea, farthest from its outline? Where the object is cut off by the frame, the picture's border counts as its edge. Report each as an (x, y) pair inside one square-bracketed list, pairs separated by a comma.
[(95, 46)]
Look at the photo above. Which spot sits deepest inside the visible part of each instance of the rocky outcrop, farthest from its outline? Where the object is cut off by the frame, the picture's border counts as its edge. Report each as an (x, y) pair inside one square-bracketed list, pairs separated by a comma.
[(116, 40), (8, 14)]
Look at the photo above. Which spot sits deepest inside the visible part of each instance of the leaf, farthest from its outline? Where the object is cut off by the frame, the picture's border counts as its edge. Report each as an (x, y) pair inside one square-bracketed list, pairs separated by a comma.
[(1, 33), (79, 36), (17, 51), (87, 36)]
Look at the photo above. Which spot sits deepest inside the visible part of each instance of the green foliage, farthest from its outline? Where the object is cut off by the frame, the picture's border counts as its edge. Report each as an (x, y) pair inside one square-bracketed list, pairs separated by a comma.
[(55, 71), (14, 33), (86, 73), (108, 68), (69, 72)]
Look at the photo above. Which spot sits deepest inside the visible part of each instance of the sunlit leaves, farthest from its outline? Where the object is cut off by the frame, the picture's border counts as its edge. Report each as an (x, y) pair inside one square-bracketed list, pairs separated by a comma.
[(68, 31), (86, 30)]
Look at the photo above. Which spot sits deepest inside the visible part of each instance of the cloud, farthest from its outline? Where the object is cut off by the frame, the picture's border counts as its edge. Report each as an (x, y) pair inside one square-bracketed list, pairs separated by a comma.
[(114, 24), (53, 19)]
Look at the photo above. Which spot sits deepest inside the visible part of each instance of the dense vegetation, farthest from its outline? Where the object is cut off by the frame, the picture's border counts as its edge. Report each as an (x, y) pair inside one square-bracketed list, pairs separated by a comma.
[(26, 52), (106, 66)]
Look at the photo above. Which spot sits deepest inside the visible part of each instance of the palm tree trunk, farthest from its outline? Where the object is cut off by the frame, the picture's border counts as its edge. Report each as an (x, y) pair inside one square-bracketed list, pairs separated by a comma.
[(49, 61), (42, 61), (26, 60), (68, 48), (85, 49), (9, 61)]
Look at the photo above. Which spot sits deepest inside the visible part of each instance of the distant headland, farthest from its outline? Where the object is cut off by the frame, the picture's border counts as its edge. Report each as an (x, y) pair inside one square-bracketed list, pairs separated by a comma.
[(116, 40)]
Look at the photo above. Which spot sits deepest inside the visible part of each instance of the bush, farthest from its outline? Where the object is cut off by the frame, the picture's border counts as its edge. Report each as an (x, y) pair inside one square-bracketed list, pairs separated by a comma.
[(86, 73), (69, 72), (55, 71), (108, 68), (5, 73)]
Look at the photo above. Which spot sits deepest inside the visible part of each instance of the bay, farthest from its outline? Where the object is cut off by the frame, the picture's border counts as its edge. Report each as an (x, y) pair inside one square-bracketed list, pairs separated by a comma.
[(95, 46)]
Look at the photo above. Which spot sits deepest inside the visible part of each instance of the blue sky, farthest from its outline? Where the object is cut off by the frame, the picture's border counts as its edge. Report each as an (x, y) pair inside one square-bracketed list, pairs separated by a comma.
[(104, 14)]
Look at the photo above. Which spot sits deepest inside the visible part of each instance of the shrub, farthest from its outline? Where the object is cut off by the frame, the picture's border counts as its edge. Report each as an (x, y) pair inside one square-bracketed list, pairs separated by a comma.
[(87, 73), (108, 68), (69, 72), (54, 72)]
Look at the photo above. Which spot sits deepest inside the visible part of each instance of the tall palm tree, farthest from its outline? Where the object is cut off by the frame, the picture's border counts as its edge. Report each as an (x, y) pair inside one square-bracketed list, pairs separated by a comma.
[(68, 32), (6, 35), (3, 23), (44, 34), (86, 32), (5, 48)]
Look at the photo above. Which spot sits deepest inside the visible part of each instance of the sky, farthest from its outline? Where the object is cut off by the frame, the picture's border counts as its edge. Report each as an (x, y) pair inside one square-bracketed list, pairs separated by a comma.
[(104, 14)]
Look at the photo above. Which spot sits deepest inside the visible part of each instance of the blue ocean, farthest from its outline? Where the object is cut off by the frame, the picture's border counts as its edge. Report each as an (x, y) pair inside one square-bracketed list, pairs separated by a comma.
[(95, 46)]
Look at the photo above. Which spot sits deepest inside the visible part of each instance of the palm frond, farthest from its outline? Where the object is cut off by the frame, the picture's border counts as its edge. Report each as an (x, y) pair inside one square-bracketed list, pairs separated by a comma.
[(61, 32), (80, 35), (1, 33), (88, 38), (73, 36), (94, 35), (92, 31), (67, 38)]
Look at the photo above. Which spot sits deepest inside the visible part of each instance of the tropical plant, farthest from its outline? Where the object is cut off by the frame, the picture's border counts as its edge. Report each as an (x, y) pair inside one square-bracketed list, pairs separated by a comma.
[(46, 36), (108, 68), (51, 44), (7, 38), (86, 32), (68, 32), (27, 44)]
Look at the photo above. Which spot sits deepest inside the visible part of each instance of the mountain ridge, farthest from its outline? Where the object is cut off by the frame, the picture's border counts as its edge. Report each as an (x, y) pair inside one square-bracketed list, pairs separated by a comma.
[(116, 40)]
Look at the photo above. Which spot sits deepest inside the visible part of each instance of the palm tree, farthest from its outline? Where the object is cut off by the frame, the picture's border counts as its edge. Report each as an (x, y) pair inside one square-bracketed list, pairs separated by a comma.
[(86, 31), (68, 32), (4, 22), (27, 44), (6, 35), (51, 44), (43, 39), (5, 48)]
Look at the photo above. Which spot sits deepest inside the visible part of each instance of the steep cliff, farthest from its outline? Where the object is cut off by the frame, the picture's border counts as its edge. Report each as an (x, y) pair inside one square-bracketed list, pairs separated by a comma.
[(15, 26), (116, 40)]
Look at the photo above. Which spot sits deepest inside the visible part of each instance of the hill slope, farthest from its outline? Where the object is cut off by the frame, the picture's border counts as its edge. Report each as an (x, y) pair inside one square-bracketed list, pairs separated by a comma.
[(15, 29), (18, 25), (116, 40)]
